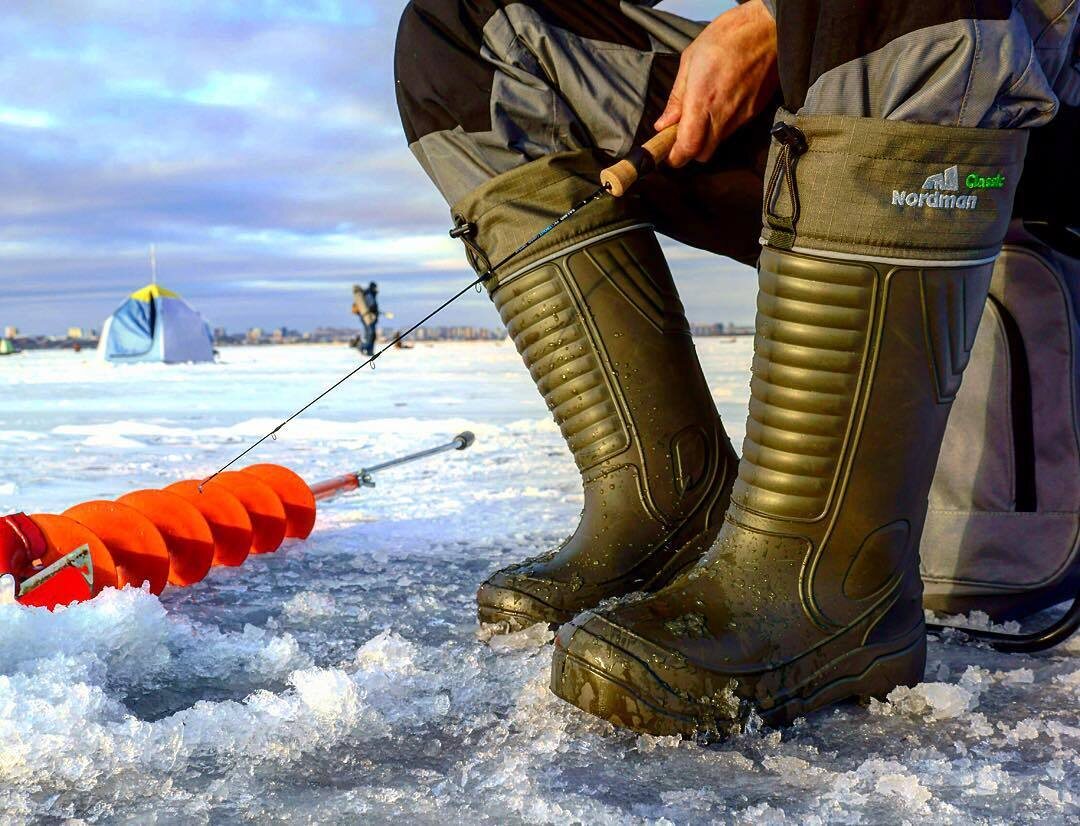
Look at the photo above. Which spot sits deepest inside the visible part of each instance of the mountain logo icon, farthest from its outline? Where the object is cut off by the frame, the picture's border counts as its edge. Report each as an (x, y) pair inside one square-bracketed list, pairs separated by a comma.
[(947, 181)]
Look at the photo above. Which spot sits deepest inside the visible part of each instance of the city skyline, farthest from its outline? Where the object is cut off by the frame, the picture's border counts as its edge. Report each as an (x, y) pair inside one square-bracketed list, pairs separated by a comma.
[(257, 144), (284, 334)]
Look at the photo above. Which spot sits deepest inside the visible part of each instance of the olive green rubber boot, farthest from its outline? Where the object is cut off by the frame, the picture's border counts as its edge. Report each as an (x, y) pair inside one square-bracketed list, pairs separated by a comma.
[(878, 241), (596, 317), (811, 594)]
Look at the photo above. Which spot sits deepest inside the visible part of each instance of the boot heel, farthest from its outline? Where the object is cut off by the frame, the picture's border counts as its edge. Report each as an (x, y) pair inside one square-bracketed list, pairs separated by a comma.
[(906, 667)]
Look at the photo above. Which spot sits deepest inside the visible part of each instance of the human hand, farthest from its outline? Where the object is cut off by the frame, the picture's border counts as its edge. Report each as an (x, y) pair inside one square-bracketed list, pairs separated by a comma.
[(725, 78)]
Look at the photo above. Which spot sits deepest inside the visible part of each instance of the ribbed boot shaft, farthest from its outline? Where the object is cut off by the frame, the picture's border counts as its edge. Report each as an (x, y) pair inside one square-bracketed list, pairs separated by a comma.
[(549, 331), (812, 328)]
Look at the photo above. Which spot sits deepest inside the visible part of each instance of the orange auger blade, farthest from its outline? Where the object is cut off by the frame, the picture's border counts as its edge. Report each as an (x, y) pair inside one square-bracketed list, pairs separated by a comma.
[(68, 586), (228, 519), (63, 535), (295, 495), (137, 547), (186, 533), (263, 506)]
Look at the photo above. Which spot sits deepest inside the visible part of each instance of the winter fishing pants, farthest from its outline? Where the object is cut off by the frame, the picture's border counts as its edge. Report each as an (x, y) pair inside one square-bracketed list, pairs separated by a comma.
[(485, 86)]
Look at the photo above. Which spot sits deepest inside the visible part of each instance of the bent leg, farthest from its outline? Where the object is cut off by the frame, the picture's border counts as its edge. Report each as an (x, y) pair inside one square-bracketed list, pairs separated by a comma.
[(593, 310), (487, 87), (877, 261), (513, 109)]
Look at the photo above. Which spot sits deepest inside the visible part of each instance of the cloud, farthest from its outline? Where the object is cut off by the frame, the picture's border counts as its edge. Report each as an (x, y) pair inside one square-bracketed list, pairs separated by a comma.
[(25, 118), (224, 89), (255, 142)]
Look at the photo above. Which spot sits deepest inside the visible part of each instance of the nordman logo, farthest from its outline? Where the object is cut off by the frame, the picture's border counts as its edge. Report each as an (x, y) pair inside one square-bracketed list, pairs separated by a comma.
[(937, 191)]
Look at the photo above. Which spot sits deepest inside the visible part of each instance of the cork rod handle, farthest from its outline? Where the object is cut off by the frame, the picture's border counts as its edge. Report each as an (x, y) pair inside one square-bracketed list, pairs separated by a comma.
[(640, 162)]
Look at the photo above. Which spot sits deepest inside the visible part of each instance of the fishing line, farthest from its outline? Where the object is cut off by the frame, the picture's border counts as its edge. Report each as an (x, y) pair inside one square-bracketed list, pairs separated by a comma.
[(458, 232)]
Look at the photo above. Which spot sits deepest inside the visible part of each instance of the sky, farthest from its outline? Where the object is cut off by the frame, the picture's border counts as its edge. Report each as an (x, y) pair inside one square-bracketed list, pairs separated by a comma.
[(257, 144)]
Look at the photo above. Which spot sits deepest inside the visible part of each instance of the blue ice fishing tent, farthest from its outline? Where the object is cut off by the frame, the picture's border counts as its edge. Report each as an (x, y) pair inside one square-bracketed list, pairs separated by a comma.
[(156, 324)]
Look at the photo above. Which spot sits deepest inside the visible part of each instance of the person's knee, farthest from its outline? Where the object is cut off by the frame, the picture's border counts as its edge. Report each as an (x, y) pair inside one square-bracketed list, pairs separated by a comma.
[(426, 28), (443, 82)]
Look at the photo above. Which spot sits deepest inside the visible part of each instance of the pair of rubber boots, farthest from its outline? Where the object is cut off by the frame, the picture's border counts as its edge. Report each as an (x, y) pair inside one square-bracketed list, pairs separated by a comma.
[(780, 583)]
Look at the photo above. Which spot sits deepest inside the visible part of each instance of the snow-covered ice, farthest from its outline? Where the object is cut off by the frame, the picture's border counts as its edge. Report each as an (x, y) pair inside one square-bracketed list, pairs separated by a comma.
[(343, 679)]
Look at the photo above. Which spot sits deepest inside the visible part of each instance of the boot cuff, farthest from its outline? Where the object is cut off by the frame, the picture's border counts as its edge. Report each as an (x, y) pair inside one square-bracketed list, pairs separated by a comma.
[(890, 189), (512, 207)]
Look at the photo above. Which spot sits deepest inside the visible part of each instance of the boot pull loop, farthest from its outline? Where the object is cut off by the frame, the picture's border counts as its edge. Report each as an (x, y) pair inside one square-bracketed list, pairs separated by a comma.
[(464, 231), (792, 144)]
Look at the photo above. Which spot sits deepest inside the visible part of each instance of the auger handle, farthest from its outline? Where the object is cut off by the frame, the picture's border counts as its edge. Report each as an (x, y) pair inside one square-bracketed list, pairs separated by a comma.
[(79, 558), (362, 478), (463, 441), (640, 162)]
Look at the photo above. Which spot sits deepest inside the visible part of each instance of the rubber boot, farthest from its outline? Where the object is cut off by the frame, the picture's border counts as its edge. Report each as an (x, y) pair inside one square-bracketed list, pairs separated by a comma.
[(811, 594), (597, 319)]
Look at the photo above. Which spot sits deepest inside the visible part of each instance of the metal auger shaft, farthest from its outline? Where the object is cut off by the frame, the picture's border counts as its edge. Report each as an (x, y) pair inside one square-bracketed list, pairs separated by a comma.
[(362, 478)]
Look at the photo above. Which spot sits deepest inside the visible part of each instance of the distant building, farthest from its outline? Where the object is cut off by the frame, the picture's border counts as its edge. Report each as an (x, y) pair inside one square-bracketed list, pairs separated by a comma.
[(721, 329), (257, 336), (331, 335), (455, 334), (705, 330), (283, 335)]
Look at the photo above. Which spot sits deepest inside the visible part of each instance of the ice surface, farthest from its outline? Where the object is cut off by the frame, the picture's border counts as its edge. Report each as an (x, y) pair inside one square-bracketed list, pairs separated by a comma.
[(344, 679)]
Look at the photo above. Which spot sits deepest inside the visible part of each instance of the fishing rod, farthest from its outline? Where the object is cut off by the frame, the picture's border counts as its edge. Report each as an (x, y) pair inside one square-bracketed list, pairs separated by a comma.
[(615, 181)]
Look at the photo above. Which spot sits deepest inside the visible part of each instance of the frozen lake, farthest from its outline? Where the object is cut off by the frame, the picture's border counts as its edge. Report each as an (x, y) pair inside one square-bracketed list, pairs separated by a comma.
[(342, 679)]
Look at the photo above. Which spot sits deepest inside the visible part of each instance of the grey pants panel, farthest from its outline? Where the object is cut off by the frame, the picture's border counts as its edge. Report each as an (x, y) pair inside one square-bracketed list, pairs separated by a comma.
[(553, 90), (998, 74), (540, 77)]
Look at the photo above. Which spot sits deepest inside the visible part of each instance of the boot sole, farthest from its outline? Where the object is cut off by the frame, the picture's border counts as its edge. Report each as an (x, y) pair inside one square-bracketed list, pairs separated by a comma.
[(572, 678), (528, 612), (510, 621)]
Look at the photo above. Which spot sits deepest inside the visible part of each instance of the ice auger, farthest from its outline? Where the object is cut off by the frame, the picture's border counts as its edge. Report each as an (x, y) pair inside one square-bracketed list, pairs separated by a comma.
[(168, 537)]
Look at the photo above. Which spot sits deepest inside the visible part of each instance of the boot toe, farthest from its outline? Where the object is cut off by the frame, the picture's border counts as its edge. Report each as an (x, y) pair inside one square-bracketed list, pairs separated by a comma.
[(620, 676), (517, 602)]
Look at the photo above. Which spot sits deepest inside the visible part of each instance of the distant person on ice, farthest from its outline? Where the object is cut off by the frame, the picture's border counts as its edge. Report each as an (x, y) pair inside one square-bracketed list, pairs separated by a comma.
[(366, 307), (889, 140)]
